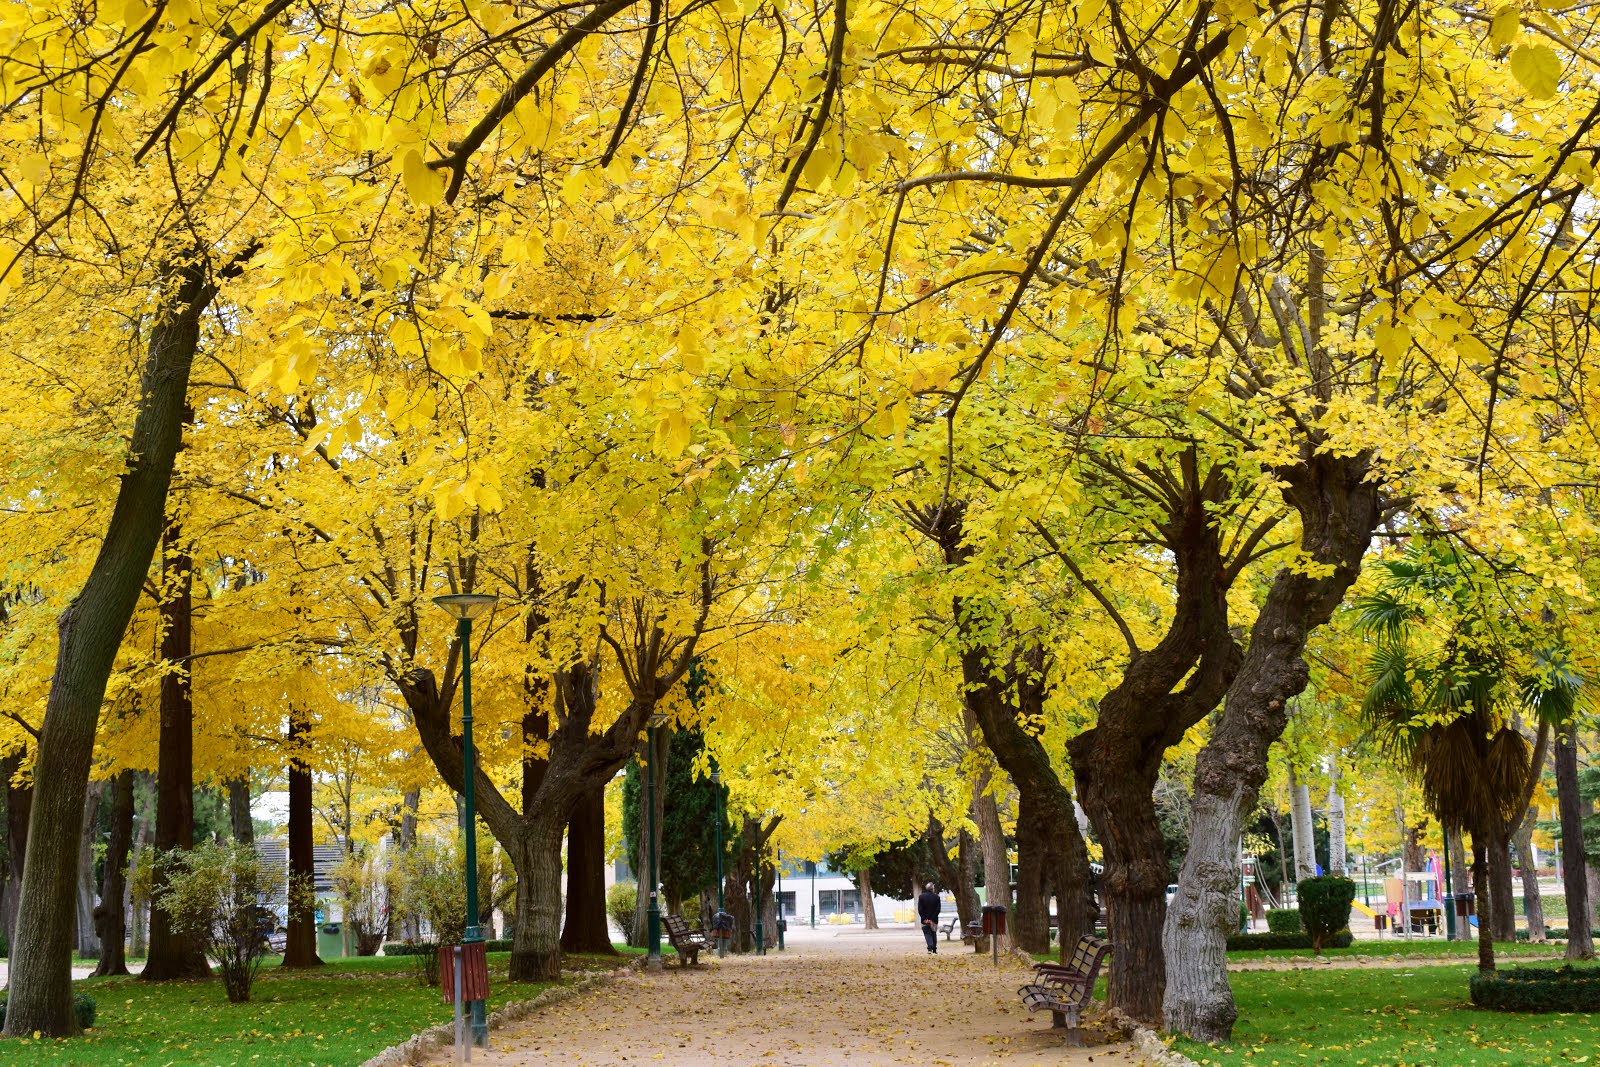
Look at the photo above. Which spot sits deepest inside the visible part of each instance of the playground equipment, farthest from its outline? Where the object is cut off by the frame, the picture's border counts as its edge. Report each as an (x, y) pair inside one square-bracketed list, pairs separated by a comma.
[(1416, 901)]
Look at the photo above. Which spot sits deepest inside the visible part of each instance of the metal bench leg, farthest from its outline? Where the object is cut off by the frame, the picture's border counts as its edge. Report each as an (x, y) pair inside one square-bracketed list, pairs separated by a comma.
[(1058, 1020)]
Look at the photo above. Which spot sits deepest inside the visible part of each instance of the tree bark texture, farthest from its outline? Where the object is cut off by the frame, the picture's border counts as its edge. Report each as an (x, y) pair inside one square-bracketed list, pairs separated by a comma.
[(587, 929), (1459, 868), (1480, 883), (1574, 881), (1532, 903), (1337, 865), (536, 946), (110, 917), (244, 826), (87, 935), (869, 910), (139, 901), (174, 954), (1502, 902), (1339, 509), (1305, 835), (992, 842), (19, 803), (300, 947), (90, 632)]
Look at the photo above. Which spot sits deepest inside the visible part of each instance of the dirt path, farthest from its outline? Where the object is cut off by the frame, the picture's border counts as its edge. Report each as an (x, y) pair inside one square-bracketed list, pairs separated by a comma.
[(864, 1000)]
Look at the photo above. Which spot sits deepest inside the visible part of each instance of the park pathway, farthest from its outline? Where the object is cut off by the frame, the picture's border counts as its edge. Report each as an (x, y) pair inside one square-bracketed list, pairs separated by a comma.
[(831, 999)]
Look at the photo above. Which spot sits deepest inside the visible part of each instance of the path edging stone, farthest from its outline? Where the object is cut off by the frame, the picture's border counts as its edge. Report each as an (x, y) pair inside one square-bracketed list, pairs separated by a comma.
[(425, 1042), (1147, 1044)]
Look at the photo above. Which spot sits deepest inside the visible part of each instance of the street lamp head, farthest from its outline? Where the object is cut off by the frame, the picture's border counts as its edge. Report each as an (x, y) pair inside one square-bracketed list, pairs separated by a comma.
[(716, 776), (657, 718), (466, 605)]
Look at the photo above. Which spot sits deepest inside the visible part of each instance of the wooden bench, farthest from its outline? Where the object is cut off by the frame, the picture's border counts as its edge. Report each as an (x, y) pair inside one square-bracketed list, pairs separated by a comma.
[(1066, 989), (688, 942)]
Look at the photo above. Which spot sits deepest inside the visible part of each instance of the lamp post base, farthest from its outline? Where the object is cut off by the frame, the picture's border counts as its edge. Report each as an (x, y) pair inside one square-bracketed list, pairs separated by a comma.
[(652, 963), (480, 1023)]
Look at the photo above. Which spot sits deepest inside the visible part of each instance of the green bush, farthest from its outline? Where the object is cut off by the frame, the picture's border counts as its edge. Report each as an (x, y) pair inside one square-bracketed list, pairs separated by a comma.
[(1538, 989), (211, 894), (1555, 933), (1284, 921), (83, 1007), (1243, 942), (620, 900), (1325, 907)]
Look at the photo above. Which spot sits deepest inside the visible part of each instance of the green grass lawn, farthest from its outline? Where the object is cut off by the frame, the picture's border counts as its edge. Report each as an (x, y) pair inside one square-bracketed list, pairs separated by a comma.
[(1387, 1018), (340, 1015)]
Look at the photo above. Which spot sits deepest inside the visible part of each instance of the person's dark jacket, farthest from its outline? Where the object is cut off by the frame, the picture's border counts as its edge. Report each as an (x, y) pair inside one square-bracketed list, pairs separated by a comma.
[(928, 905)]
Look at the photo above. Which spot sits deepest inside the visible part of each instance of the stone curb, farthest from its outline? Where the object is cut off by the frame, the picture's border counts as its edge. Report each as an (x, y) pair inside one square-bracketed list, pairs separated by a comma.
[(422, 1044), (1147, 1044)]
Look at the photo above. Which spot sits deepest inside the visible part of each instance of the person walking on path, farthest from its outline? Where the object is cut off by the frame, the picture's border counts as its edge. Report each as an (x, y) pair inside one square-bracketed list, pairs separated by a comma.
[(928, 912)]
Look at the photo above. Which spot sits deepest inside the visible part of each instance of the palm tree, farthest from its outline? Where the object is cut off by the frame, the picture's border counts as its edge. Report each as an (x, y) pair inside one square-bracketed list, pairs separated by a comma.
[(1449, 705)]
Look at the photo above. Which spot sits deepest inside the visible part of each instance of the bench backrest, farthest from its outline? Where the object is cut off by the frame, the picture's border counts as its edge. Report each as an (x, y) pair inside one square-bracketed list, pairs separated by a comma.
[(676, 927), (1087, 957)]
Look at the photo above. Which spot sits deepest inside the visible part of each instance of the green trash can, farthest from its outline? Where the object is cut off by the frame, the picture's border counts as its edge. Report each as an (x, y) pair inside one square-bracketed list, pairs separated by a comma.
[(330, 941)]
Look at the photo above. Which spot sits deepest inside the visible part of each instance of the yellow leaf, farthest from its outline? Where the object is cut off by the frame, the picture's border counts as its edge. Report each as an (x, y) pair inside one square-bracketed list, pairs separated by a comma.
[(424, 186), (1537, 69), (1503, 30)]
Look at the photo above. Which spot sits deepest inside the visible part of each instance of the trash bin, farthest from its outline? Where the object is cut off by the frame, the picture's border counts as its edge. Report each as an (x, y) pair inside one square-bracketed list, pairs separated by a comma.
[(330, 942), (994, 919)]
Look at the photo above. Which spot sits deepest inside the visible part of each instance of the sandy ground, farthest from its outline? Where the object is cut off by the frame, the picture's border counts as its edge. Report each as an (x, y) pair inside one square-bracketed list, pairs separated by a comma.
[(829, 1000)]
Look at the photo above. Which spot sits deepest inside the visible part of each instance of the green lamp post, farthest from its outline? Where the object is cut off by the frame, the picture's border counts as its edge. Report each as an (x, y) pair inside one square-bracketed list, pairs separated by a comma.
[(653, 914), (464, 607)]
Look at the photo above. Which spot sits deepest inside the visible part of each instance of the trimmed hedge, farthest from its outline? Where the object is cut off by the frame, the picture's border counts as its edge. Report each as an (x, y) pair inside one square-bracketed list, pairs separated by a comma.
[(1325, 907), (1285, 921), (1242, 942), (428, 948), (83, 1007), (1541, 989), (1555, 933)]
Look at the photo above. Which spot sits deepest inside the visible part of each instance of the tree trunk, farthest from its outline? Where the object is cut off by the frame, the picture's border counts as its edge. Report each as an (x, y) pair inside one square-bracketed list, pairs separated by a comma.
[(1030, 919), (87, 935), (1480, 882), (19, 802), (1337, 865), (1305, 835), (89, 634), (869, 911), (1458, 864), (300, 946), (992, 840), (655, 787), (1502, 900), (173, 954), (1574, 880), (1532, 903), (110, 918), (587, 929), (956, 874), (139, 900), (1338, 509), (536, 947), (244, 826)]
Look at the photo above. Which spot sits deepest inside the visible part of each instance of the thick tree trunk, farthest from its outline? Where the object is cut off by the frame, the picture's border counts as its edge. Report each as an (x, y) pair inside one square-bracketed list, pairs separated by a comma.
[(1532, 903), (869, 911), (1459, 868), (88, 936), (1338, 509), (1336, 840), (90, 632), (1574, 881), (244, 826), (300, 947), (536, 948), (1030, 917), (110, 918), (173, 954), (587, 929), (1502, 901)]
